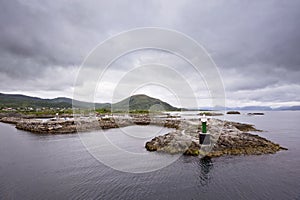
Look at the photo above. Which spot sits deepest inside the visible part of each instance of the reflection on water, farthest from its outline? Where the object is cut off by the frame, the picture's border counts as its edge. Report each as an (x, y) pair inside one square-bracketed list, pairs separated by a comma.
[(206, 165)]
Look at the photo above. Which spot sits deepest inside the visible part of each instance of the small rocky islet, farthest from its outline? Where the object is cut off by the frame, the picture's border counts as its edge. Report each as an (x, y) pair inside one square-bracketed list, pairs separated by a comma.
[(227, 138)]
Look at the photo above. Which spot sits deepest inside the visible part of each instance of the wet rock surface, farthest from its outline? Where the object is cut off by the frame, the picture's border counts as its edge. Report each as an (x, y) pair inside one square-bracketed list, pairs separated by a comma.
[(71, 125), (227, 138)]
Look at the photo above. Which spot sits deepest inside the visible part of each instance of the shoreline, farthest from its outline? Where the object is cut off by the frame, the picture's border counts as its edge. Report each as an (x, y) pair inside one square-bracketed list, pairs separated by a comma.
[(227, 138)]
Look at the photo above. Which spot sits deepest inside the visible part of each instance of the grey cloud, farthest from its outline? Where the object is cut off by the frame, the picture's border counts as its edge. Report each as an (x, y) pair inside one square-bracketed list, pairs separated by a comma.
[(60, 33), (254, 43), (242, 32), (258, 77)]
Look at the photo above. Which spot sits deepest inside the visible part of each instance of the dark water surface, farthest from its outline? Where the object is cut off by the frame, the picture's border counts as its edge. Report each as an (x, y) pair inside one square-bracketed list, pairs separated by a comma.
[(59, 167)]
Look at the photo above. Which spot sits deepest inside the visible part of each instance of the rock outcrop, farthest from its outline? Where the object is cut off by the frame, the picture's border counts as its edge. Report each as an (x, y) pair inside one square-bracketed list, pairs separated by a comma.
[(255, 113), (228, 138), (233, 113), (62, 126)]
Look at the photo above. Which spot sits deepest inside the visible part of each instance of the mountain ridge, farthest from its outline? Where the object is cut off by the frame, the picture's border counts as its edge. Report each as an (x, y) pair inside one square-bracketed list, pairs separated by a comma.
[(143, 102), (134, 102)]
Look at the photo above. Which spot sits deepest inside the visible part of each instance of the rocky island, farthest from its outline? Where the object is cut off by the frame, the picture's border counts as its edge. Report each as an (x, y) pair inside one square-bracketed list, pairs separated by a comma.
[(227, 138)]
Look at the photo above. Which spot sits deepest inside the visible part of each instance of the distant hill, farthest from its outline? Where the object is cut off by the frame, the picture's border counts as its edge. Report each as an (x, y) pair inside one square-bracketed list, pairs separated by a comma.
[(135, 102), (17, 100), (252, 108), (289, 108), (143, 102), (248, 108), (265, 108)]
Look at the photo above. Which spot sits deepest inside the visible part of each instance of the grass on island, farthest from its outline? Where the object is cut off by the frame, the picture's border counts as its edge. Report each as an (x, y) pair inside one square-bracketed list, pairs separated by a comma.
[(46, 112), (210, 113), (53, 112)]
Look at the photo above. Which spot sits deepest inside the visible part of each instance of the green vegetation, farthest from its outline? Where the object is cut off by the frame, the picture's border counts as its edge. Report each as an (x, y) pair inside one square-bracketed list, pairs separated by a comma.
[(39, 113), (140, 112), (210, 114), (33, 105), (26, 102), (48, 112), (143, 103), (107, 111), (103, 111), (16, 101)]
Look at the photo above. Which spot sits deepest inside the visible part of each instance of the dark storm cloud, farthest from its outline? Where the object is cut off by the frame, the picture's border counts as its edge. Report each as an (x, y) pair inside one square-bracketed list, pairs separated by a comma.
[(254, 43), (32, 39), (239, 33), (59, 33)]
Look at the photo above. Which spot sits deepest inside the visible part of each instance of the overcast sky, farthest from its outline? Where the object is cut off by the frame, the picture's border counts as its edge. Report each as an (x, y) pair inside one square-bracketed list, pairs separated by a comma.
[(255, 44)]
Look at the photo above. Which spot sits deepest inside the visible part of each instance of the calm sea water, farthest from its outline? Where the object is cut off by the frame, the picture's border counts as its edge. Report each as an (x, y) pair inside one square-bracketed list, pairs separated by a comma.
[(60, 167)]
